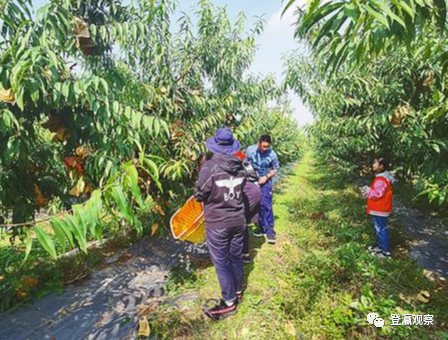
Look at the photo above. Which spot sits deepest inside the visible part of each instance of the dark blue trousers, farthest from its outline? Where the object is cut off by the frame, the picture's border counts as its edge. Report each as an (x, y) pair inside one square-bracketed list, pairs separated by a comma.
[(266, 215), (382, 232), (226, 249)]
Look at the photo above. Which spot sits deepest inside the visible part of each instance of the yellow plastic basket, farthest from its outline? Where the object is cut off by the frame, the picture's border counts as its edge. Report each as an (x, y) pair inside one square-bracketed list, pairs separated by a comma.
[(188, 224)]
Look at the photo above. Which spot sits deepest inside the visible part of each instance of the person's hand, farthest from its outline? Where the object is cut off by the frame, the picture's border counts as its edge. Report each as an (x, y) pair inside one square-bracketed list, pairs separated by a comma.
[(363, 190), (262, 180)]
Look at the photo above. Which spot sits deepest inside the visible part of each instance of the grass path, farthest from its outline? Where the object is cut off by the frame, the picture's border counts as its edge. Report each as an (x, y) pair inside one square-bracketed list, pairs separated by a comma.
[(318, 281)]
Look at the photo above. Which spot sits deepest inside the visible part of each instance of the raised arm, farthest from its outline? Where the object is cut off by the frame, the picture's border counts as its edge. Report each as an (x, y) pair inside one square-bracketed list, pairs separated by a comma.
[(378, 190)]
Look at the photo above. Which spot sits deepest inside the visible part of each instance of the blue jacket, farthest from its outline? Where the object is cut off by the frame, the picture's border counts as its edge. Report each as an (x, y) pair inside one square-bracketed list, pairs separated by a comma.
[(262, 162)]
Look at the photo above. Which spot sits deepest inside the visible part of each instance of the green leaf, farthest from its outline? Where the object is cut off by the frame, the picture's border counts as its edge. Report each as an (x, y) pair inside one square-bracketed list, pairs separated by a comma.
[(124, 206), (116, 107), (94, 207), (389, 12), (131, 182), (77, 231), (156, 127), (312, 18), (403, 5), (148, 123), (77, 89), (119, 31), (440, 7), (19, 98), (153, 166), (436, 147), (46, 241), (134, 32), (442, 197), (288, 5), (66, 88), (93, 31), (381, 18), (122, 202), (62, 232), (28, 245), (103, 33), (82, 217), (166, 128)]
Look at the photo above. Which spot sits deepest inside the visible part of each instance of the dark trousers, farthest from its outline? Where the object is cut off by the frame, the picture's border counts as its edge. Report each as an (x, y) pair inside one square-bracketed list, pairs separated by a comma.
[(266, 215), (252, 198), (246, 247), (226, 249)]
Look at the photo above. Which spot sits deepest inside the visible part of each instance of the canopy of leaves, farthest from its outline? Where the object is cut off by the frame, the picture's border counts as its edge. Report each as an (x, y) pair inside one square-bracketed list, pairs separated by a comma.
[(383, 91), (104, 110)]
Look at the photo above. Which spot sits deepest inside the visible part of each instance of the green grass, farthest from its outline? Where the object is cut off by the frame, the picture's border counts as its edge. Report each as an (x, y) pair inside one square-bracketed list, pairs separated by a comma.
[(318, 281)]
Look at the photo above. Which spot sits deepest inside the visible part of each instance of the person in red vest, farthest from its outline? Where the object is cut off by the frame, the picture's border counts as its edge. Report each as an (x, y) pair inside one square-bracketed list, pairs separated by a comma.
[(379, 205)]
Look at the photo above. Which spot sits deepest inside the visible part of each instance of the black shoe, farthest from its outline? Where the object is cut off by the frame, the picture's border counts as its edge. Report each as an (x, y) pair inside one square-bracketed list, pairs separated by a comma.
[(246, 258), (382, 255), (220, 311), (259, 232), (374, 249), (271, 239)]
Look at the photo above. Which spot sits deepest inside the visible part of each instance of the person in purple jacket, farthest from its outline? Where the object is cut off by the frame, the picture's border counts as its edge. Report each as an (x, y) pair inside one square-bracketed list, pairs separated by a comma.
[(220, 187)]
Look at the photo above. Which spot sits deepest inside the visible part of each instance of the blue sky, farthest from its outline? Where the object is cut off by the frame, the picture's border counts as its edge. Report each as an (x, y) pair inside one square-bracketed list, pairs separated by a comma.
[(276, 40)]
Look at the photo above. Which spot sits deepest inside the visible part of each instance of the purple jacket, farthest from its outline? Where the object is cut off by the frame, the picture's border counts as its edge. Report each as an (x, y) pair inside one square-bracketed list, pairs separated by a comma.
[(220, 186)]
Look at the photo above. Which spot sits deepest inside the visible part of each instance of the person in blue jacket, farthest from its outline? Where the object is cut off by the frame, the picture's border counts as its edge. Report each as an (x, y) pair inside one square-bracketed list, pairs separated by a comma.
[(265, 161)]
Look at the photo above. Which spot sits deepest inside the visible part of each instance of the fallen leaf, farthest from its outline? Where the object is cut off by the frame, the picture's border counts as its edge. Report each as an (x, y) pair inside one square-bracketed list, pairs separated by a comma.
[(290, 329), (154, 228), (423, 296), (159, 209), (64, 312), (143, 328), (365, 236)]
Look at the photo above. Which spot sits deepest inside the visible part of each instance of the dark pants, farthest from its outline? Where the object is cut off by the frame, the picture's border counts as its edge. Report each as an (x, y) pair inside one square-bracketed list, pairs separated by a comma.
[(382, 232), (252, 198), (226, 248), (266, 216)]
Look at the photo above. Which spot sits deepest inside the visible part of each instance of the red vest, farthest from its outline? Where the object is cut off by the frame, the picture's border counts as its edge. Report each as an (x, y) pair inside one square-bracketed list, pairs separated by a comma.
[(240, 154), (382, 206)]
